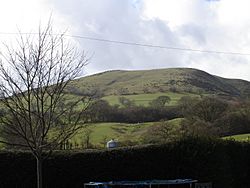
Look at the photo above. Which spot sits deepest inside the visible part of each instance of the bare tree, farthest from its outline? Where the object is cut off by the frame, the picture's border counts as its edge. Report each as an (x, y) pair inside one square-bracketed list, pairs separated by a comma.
[(160, 101), (87, 137), (34, 76), (161, 132)]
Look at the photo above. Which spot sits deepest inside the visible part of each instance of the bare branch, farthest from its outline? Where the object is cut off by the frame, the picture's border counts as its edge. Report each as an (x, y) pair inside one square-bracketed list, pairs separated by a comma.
[(33, 77)]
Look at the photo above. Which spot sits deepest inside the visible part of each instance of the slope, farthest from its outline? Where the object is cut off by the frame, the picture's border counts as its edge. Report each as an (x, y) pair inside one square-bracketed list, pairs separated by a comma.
[(187, 80)]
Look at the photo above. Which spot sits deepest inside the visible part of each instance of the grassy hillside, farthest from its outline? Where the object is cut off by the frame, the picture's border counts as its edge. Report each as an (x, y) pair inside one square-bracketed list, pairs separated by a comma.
[(144, 99), (158, 81), (242, 86), (102, 132)]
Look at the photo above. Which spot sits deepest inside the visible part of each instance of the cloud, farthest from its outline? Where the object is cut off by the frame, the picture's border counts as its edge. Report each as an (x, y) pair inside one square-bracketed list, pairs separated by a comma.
[(123, 21), (222, 25)]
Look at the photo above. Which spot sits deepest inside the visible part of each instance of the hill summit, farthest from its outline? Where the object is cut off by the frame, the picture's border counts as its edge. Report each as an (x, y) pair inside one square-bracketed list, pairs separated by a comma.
[(119, 82)]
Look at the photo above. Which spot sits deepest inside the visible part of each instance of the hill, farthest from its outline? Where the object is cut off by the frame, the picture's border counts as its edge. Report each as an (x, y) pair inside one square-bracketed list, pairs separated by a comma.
[(186, 80)]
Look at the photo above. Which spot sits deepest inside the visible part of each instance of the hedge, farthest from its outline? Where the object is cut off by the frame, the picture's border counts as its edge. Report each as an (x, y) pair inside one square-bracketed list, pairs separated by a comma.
[(225, 163)]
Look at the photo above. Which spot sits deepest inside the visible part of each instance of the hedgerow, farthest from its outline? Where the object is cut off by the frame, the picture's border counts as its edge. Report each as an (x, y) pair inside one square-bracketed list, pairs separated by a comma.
[(225, 163)]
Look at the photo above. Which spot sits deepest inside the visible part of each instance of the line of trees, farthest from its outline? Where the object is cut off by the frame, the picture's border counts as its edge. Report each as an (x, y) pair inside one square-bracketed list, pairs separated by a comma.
[(102, 111), (212, 116), (206, 117)]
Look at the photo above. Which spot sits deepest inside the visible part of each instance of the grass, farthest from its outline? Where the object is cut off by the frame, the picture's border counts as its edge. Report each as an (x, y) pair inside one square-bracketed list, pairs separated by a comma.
[(102, 132), (144, 99), (159, 80), (239, 137)]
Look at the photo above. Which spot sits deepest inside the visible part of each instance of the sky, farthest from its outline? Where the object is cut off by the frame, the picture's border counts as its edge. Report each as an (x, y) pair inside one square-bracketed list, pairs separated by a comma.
[(206, 25)]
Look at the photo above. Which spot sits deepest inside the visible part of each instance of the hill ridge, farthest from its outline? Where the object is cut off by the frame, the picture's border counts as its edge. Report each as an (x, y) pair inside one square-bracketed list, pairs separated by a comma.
[(129, 82)]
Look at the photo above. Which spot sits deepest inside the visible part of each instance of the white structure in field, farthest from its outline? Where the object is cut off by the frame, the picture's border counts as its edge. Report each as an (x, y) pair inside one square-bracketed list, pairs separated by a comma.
[(112, 144)]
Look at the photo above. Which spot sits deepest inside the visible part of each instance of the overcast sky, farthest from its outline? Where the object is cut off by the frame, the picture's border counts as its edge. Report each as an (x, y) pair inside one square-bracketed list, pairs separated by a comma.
[(213, 25)]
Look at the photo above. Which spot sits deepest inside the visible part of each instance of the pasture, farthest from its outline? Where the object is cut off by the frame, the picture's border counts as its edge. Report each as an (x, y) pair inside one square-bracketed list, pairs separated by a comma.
[(100, 133), (145, 99)]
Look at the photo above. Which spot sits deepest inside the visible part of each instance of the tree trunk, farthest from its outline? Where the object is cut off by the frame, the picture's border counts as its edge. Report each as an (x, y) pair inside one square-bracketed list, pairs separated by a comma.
[(39, 171)]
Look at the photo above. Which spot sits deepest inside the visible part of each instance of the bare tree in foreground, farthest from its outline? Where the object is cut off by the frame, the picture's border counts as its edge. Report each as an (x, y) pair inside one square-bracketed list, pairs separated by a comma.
[(33, 78)]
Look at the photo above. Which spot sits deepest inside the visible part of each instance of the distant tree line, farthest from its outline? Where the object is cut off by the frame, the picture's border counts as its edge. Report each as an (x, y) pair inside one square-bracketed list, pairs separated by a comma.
[(205, 116), (128, 112), (212, 116)]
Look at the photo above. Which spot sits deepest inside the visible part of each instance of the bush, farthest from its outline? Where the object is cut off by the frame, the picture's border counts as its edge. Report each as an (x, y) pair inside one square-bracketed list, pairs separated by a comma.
[(225, 163)]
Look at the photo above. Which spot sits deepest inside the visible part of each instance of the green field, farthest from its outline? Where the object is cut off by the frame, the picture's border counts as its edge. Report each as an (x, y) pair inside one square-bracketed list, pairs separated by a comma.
[(144, 99), (102, 132), (239, 137)]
